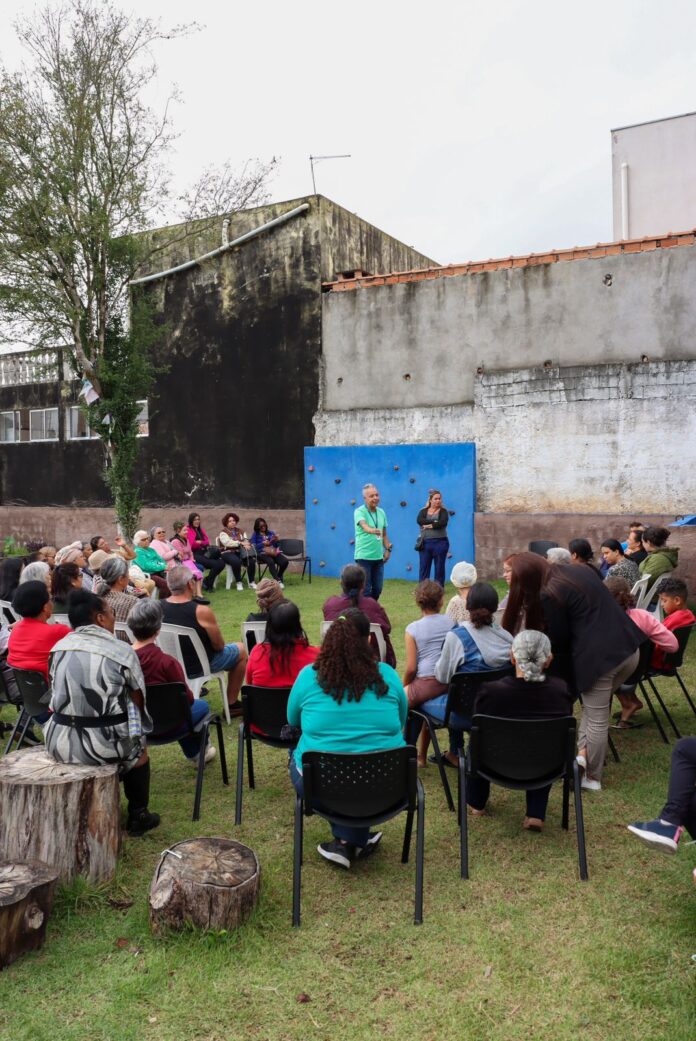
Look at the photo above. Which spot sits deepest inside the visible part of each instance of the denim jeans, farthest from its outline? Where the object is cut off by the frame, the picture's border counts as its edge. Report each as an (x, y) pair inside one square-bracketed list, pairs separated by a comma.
[(435, 708), (374, 577), (433, 550), (354, 836), (681, 798), (191, 744)]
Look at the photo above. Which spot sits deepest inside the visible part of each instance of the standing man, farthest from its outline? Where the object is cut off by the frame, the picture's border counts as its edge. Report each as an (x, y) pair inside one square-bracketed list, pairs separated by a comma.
[(372, 546)]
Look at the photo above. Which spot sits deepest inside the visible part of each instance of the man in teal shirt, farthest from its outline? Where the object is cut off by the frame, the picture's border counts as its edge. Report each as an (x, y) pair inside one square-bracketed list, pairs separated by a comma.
[(372, 546)]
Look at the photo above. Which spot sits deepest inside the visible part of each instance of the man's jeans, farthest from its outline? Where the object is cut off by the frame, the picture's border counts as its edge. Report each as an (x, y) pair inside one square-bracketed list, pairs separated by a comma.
[(374, 577)]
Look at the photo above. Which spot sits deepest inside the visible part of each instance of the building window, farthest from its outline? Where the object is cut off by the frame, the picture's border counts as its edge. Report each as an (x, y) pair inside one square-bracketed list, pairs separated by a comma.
[(43, 424), (77, 426), (9, 428), (143, 420)]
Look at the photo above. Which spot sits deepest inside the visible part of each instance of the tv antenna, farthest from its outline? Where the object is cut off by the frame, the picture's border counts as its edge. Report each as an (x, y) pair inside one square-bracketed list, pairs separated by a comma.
[(314, 159)]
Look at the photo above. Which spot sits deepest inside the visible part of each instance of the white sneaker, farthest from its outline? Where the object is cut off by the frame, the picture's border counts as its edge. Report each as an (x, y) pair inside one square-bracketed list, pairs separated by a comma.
[(282, 585), (210, 754), (240, 587), (581, 761), (252, 585), (590, 785)]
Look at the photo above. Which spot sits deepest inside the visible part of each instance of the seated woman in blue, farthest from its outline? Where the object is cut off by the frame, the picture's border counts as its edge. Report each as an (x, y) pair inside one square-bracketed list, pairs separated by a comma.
[(346, 702)]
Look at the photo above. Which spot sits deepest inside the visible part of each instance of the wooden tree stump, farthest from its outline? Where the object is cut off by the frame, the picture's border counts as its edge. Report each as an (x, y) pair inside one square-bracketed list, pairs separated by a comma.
[(212, 884), (26, 898), (62, 814)]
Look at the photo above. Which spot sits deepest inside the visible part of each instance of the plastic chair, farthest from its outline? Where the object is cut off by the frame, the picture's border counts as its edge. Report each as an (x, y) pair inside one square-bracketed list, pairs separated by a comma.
[(123, 628), (61, 619), (253, 633), (375, 633), (637, 679), (169, 639), (672, 664), (35, 697), (360, 791), (540, 546), (265, 708), (523, 754), (230, 580), (461, 695), (169, 708), (293, 549), (7, 612), (643, 598)]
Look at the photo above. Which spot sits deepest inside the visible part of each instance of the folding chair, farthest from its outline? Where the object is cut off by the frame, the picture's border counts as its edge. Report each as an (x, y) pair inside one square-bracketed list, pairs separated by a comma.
[(264, 714), (461, 695), (360, 791), (672, 664), (293, 549), (376, 634), (169, 639), (35, 695), (522, 754), (253, 633), (169, 708)]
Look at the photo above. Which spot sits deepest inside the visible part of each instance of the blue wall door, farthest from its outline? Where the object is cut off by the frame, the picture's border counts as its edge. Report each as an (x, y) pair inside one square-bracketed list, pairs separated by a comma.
[(403, 473)]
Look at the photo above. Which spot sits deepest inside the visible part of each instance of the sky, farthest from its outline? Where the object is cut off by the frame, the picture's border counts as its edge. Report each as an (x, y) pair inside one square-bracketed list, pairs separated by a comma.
[(475, 129)]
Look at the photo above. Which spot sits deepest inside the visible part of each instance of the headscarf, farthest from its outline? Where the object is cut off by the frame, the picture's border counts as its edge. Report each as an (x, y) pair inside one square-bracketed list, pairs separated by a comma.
[(61, 555), (268, 593), (531, 649)]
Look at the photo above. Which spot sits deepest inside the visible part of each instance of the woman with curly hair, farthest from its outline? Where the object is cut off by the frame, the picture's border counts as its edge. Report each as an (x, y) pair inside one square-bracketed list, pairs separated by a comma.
[(346, 702)]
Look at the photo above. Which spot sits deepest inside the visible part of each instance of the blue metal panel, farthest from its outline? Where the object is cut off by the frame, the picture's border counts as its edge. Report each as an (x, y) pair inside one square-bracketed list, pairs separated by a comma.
[(403, 473)]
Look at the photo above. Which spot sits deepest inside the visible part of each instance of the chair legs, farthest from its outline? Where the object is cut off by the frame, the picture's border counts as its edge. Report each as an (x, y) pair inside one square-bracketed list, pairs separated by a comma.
[(221, 746), (612, 749), (664, 708), (463, 822), (240, 777), (297, 862), (579, 823), (653, 713), (420, 854), (15, 729), (438, 757), (199, 773), (685, 692), (566, 803)]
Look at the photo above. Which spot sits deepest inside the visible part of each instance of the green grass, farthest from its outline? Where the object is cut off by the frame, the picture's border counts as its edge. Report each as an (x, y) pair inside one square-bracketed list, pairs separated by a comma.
[(521, 951)]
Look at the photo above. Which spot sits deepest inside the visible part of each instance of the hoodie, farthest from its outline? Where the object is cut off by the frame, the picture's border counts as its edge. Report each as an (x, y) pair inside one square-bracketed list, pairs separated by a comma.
[(659, 562)]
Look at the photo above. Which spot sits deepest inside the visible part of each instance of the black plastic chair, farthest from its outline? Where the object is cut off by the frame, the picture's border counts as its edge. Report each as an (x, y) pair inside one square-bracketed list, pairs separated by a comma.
[(293, 549), (267, 709), (461, 695), (638, 678), (35, 697), (523, 754), (672, 664), (539, 546), (360, 791), (169, 708)]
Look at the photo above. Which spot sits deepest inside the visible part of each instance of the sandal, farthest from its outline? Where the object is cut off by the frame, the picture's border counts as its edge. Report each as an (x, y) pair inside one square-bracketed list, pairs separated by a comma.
[(626, 724)]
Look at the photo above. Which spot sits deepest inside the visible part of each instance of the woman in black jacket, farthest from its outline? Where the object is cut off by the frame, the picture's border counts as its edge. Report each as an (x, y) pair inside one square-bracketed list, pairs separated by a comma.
[(434, 544)]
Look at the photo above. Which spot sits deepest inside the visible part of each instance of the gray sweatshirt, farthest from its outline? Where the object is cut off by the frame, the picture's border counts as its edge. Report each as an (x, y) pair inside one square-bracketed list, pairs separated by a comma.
[(493, 643)]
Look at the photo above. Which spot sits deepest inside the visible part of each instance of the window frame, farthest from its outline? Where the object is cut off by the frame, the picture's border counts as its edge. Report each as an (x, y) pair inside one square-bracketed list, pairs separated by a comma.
[(90, 436), (43, 411)]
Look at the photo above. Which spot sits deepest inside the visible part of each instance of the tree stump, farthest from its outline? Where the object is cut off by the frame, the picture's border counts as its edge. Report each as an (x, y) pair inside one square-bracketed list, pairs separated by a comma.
[(63, 814), (26, 898), (212, 884)]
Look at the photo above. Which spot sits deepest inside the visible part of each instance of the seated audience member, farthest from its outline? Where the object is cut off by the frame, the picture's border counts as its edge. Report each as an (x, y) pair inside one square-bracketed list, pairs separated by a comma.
[(75, 555), (145, 622), (634, 526), (150, 562), (581, 553), (634, 548), (285, 651), (10, 570), (181, 542), (181, 609), (352, 586), (121, 547), (138, 579), (679, 812), (558, 555), (660, 559), (64, 579), (346, 702), (654, 630), (676, 614), (65, 549), (236, 550), (479, 645), (507, 578), (268, 593), (38, 571), (113, 585), (265, 542), (529, 694), (618, 566), (463, 576), (32, 638), (99, 713), (159, 542), (48, 555), (207, 557), (424, 639)]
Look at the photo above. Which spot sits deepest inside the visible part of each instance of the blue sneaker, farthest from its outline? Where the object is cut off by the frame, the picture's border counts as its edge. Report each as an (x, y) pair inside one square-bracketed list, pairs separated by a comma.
[(659, 833)]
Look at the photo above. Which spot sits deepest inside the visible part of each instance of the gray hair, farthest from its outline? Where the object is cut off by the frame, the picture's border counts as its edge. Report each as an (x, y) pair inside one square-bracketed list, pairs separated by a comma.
[(531, 649), (38, 571), (558, 555), (112, 569), (178, 578), (145, 618), (370, 484)]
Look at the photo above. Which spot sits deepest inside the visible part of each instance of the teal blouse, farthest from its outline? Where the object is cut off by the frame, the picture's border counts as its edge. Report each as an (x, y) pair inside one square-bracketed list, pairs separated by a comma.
[(149, 560)]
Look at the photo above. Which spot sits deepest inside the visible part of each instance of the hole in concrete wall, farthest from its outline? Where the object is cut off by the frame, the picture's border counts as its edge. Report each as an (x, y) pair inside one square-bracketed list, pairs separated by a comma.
[(607, 280), (339, 380), (479, 370), (644, 358), (407, 376), (548, 364)]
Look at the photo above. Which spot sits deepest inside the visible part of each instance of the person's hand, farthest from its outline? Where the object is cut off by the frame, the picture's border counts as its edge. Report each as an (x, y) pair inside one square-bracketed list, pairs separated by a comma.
[(119, 540)]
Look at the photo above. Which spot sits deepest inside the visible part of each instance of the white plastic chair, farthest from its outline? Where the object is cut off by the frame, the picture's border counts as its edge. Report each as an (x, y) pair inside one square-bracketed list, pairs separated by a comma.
[(61, 619), (122, 627), (643, 599), (169, 640), (639, 588), (7, 612), (257, 628), (229, 573), (375, 630)]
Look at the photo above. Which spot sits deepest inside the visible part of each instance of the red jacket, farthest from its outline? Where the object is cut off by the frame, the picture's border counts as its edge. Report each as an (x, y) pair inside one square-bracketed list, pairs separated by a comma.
[(675, 620)]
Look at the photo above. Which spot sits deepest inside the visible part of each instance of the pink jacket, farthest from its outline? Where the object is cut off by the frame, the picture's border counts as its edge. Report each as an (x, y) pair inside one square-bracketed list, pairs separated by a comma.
[(194, 541), (658, 633), (167, 551)]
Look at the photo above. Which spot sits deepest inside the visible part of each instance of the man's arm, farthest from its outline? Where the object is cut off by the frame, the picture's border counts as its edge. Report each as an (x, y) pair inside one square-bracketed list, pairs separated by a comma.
[(206, 618)]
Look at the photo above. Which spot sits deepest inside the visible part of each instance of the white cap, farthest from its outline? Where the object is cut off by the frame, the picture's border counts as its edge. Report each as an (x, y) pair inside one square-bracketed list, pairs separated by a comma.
[(463, 575)]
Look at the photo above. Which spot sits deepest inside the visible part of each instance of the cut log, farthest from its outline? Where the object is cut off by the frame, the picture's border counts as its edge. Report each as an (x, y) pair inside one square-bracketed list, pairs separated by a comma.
[(63, 814), (26, 898), (209, 882)]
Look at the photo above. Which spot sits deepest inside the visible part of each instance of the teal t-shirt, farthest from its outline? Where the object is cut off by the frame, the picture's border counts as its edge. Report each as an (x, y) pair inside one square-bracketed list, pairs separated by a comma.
[(370, 725), (369, 547)]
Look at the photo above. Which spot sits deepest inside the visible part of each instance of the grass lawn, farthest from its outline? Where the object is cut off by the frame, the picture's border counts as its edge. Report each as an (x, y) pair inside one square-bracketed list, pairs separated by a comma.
[(523, 950)]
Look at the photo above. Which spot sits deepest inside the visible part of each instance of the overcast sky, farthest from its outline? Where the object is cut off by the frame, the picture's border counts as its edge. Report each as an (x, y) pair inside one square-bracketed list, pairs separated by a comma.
[(476, 129)]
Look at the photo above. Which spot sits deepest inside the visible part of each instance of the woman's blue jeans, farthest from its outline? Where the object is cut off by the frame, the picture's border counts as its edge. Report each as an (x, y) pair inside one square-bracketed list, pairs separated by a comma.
[(191, 744), (433, 550), (354, 836)]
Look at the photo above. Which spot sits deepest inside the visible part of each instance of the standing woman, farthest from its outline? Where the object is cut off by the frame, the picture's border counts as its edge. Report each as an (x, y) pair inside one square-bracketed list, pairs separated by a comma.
[(433, 520), (265, 542), (202, 554)]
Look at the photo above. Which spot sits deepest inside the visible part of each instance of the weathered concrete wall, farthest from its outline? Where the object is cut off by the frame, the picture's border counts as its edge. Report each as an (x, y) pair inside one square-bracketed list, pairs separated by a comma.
[(438, 332)]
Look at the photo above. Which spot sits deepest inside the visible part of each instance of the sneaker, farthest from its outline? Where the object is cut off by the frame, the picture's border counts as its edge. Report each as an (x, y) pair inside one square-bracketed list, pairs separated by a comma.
[(210, 754), (282, 585), (370, 846), (658, 833), (240, 587), (590, 785), (252, 585), (337, 852), (141, 822), (581, 760)]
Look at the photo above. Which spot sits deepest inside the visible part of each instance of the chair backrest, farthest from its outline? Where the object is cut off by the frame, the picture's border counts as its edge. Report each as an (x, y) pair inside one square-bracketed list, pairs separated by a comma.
[(539, 546), (122, 628), (34, 691), (266, 708), (325, 626), (7, 612), (363, 785), (674, 660), (291, 547), (638, 590), (375, 633), (169, 639), (520, 753), (59, 619), (649, 590), (464, 686), (253, 633), (168, 706)]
